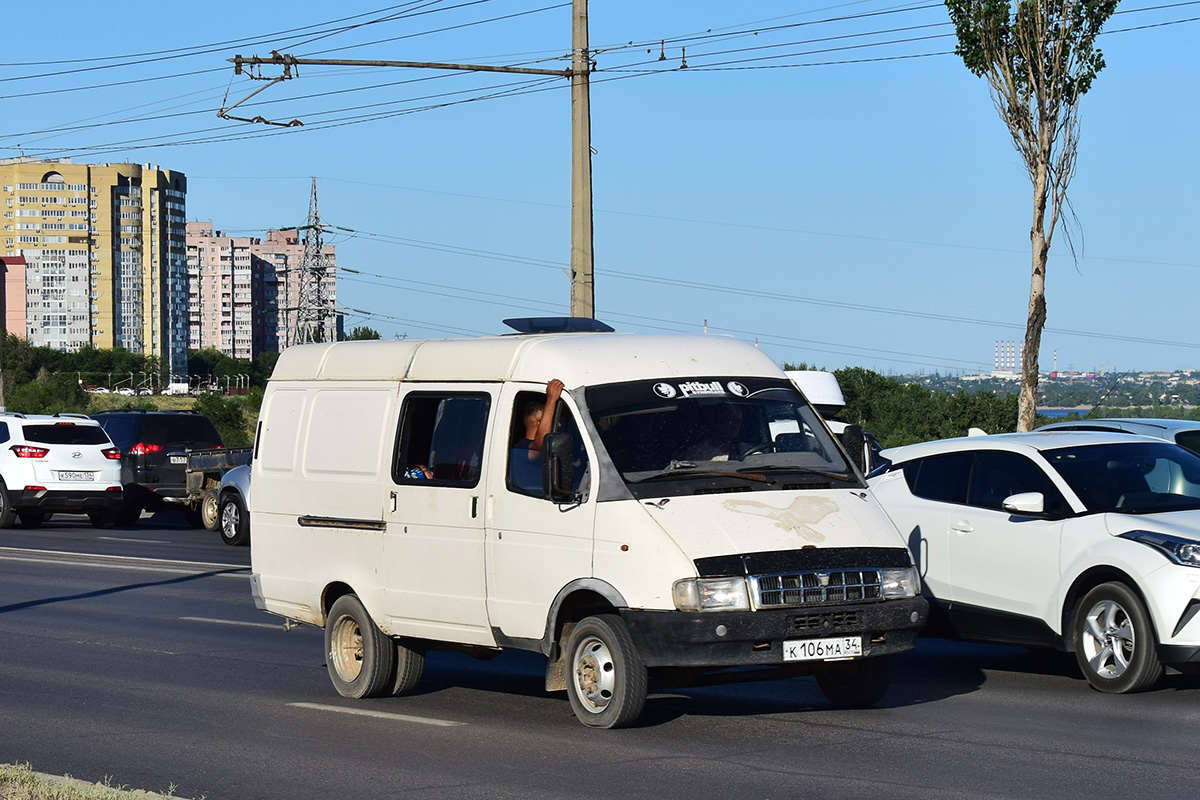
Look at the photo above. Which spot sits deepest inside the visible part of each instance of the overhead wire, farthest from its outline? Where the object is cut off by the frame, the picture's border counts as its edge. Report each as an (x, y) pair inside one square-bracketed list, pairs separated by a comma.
[(520, 89), (727, 290)]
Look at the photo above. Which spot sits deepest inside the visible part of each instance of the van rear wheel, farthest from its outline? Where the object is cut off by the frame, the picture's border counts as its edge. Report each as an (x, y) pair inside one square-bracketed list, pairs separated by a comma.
[(856, 684), (409, 666), (361, 658), (607, 680)]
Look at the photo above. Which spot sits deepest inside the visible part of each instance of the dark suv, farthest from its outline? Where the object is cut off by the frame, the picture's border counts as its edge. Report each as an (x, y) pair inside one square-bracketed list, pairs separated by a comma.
[(154, 446)]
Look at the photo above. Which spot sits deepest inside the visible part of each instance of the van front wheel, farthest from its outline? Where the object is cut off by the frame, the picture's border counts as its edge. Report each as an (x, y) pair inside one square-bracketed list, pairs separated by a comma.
[(361, 658), (607, 680)]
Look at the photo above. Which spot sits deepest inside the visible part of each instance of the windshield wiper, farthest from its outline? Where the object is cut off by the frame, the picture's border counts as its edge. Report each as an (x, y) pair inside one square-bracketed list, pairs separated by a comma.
[(682, 470), (837, 476)]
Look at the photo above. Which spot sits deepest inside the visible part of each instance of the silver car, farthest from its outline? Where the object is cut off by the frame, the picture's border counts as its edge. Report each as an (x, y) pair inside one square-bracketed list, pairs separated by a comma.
[(233, 504), (1185, 433)]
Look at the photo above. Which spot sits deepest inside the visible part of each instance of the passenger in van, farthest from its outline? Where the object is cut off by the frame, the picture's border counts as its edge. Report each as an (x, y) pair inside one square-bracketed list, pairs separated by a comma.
[(525, 459), (722, 424)]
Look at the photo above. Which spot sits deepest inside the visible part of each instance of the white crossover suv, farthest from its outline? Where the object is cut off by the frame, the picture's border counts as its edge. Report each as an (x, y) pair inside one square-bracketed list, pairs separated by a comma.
[(1084, 541), (57, 463)]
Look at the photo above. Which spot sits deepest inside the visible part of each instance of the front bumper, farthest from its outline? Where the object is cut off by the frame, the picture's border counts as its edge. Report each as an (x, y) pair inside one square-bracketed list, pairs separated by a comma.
[(743, 638), (64, 501)]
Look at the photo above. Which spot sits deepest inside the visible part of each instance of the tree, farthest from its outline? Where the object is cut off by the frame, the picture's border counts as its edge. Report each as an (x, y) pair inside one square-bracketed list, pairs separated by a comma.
[(1039, 59), (362, 332)]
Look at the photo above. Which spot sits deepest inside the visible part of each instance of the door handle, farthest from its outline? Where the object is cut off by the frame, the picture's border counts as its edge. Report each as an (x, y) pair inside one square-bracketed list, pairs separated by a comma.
[(962, 526)]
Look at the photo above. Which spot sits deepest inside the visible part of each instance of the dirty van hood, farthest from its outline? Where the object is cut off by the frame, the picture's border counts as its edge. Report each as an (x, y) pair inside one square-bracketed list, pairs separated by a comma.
[(754, 522)]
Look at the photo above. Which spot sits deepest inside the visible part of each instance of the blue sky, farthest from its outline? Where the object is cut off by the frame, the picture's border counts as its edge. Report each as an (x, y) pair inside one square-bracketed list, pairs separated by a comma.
[(824, 178)]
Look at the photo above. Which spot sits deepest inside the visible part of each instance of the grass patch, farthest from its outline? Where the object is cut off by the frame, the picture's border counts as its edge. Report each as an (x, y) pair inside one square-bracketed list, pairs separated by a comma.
[(20, 782)]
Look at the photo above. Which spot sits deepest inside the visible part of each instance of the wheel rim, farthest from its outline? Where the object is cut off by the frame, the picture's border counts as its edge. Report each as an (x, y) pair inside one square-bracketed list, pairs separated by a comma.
[(229, 520), (1108, 639), (595, 674), (208, 509), (346, 648)]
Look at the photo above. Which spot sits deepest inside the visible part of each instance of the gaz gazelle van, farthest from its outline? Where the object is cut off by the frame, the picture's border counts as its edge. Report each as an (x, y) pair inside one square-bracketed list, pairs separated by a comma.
[(688, 515)]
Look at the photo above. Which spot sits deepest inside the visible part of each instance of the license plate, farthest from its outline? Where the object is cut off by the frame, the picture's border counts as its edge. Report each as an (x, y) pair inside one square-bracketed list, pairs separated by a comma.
[(76, 476), (822, 649), (178, 459)]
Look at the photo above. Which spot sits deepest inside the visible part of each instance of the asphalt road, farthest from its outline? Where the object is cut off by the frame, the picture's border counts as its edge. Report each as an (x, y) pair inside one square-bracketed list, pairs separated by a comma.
[(137, 654)]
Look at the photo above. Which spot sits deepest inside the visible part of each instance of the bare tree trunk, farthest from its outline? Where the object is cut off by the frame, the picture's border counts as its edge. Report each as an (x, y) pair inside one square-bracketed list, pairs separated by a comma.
[(1036, 320)]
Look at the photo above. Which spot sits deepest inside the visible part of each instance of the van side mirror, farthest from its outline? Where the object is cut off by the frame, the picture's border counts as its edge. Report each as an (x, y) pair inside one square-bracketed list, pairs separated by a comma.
[(558, 468), (855, 443)]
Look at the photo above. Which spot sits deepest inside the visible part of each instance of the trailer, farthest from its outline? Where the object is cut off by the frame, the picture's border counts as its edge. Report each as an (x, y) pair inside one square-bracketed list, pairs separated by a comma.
[(204, 470)]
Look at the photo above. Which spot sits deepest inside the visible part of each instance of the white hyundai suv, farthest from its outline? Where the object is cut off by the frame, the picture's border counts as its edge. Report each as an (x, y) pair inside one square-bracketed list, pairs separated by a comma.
[(1083, 541), (57, 463)]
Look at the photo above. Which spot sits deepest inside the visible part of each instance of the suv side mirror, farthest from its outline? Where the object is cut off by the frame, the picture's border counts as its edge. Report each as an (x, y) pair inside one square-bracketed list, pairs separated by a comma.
[(1027, 504), (558, 468)]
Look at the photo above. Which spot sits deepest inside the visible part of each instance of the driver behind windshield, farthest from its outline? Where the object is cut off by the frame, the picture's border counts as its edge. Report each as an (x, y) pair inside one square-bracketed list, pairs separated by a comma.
[(721, 425)]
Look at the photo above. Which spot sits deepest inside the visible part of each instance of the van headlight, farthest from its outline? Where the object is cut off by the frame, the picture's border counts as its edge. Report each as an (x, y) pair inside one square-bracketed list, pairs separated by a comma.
[(711, 594), (899, 582), (1177, 549)]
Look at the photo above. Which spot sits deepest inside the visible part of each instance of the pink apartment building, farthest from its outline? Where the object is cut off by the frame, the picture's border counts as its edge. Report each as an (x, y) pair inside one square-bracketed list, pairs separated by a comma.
[(243, 291)]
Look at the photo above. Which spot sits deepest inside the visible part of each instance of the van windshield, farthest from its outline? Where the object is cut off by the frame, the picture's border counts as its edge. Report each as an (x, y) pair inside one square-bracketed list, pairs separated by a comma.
[(754, 431)]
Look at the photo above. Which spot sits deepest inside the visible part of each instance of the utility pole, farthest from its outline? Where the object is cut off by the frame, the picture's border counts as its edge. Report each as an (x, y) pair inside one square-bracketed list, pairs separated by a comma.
[(582, 257), (583, 290)]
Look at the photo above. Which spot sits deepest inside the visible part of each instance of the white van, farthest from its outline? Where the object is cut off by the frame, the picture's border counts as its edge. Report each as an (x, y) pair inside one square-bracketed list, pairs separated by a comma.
[(667, 534)]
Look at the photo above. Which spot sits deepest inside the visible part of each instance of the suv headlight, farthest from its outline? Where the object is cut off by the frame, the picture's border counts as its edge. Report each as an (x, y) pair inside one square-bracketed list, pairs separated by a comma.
[(1177, 549), (711, 594), (899, 582)]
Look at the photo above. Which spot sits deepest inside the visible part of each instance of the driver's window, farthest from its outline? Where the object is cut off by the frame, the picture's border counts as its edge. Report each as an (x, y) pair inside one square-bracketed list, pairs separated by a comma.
[(524, 463), (998, 475)]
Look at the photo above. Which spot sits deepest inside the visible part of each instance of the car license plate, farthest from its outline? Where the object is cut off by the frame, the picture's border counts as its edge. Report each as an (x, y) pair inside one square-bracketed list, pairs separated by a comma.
[(178, 459), (76, 476), (822, 649)]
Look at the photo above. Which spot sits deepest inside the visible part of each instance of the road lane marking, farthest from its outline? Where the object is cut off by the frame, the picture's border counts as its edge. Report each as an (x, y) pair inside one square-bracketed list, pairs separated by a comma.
[(362, 712), (135, 541), (135, 563), (269, 625)]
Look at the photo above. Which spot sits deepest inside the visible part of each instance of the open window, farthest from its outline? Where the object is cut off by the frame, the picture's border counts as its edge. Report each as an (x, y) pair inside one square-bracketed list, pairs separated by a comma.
[(524, 464)]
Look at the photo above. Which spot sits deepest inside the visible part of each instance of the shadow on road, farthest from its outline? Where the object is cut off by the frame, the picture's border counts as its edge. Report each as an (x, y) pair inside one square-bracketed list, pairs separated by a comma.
[(116, 590)]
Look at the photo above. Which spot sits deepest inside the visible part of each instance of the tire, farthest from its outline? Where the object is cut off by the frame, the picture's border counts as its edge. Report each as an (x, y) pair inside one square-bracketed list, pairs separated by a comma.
[(856, 684), (31, 519), (102, 519), (209, 510), (1114, 640), (409, 666), (234, 521), (7, 515), (129, 514), (192, 514), (606, 679), (361, 658)]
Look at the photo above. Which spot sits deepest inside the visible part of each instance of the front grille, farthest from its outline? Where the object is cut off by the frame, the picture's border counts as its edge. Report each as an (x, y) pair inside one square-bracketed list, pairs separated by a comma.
[(816, 588), (823, 620)]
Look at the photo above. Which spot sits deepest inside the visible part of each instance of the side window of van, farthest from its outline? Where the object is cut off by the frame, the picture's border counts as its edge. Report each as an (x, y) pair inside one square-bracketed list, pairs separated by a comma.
[(525, 465), (441, 438)]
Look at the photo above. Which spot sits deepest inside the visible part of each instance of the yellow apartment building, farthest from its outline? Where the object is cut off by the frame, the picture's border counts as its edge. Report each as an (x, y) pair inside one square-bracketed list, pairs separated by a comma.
[(103, 249)]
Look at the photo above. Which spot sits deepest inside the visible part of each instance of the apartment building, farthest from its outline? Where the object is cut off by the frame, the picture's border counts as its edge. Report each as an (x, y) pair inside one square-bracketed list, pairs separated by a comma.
[(245, 293), (102, 247)]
